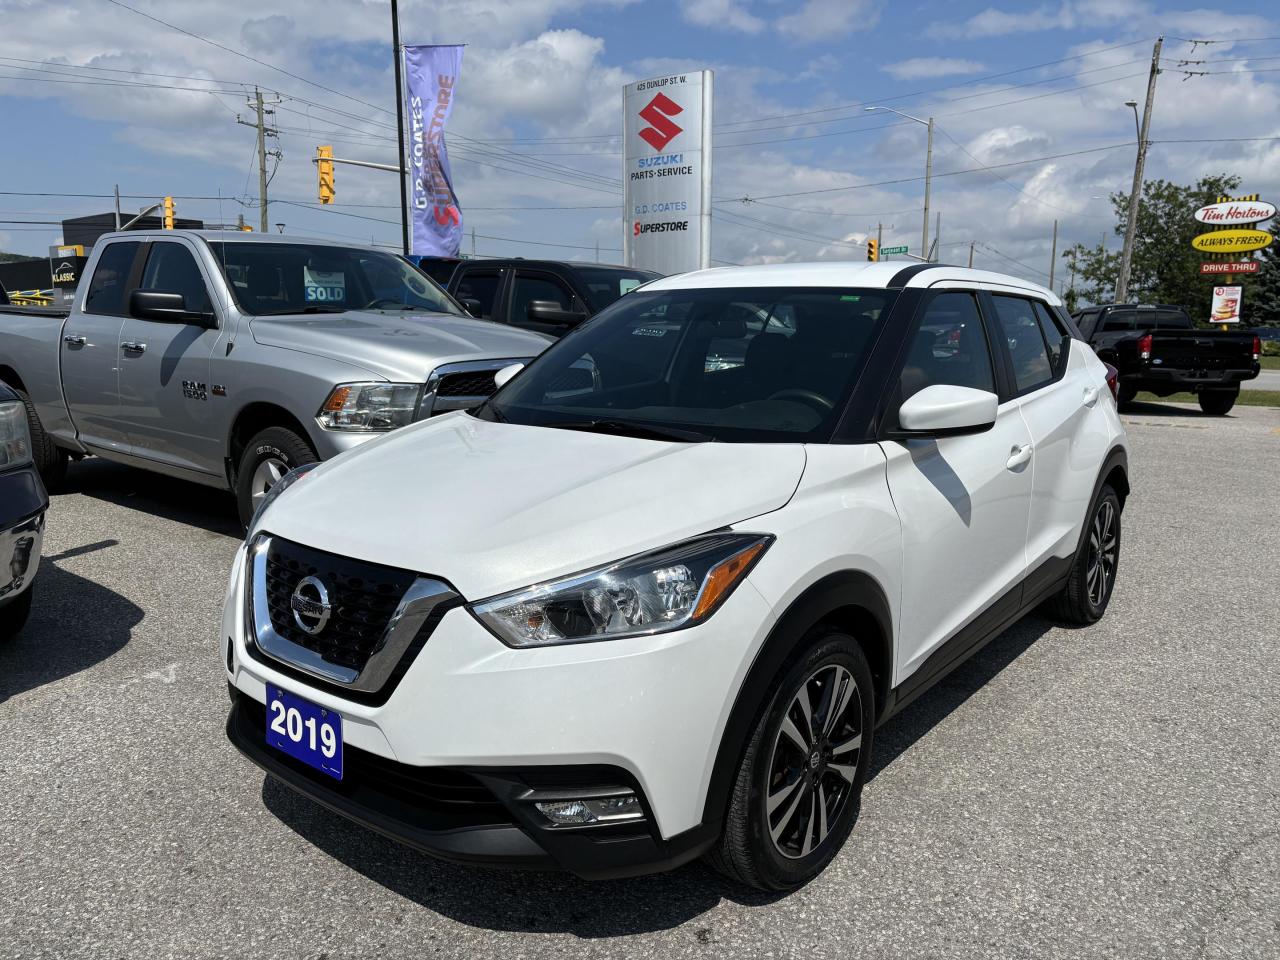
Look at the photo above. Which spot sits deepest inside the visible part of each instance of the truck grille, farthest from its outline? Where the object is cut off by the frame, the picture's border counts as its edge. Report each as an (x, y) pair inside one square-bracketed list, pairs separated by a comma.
[(362, 597), (476, 384)]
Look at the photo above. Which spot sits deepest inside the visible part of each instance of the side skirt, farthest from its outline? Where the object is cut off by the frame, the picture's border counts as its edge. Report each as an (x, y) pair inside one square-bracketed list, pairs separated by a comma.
[(1016, 603)]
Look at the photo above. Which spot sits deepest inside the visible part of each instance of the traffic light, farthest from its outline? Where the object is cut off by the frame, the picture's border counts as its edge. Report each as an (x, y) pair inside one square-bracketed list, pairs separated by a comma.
[(168, 213), (873, 250), (324, 169)]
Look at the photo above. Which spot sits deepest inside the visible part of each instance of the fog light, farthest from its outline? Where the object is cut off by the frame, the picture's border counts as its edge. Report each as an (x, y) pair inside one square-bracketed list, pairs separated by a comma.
[(603, 810)]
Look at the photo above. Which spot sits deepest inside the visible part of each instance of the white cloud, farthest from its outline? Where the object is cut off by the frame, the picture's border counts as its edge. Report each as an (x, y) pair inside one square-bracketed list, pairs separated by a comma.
[(721, 15), (823, 20), (918, 67), (1067, 15)]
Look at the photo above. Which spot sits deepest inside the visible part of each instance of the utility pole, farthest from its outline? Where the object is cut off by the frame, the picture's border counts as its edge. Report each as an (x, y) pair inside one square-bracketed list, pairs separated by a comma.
[(1135, 195), (117, 206), (879, 237), (970, 254), (1053, 253), (263, 132), (928, 183), (404, 187)]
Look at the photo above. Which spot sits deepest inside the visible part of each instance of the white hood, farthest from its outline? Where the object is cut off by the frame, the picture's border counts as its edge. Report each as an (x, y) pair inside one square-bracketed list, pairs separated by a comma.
[(493, 507)]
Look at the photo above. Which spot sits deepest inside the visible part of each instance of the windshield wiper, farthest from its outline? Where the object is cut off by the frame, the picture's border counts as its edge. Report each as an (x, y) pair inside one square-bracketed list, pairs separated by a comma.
[(309, 308), (622, 428)]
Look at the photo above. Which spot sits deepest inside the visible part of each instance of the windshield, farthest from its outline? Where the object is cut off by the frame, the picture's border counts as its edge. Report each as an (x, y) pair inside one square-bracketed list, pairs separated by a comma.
[(738, 365), (282, 278), (606, 284)]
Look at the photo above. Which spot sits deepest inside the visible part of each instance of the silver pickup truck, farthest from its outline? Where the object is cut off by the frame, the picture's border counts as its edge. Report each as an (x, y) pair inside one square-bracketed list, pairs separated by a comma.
[(229, 358)]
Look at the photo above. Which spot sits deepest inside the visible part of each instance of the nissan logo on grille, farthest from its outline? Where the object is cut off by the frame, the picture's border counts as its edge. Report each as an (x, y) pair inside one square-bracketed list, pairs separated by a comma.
[(310, 605)]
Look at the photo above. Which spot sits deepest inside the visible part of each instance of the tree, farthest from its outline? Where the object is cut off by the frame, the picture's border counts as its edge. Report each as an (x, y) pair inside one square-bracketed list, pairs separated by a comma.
[(1264, 303), (1165, 267)]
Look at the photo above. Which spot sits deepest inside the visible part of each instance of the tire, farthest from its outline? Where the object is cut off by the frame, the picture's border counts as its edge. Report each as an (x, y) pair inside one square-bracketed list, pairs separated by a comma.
[(782, 848), (266, 458), (1125, 395), (50, 459), (1217, 403), (13, 615), (1084, 599)]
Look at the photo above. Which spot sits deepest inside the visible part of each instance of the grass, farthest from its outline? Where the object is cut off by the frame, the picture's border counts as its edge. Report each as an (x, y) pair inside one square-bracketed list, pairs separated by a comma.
[(1248, 398), (1270, 363)]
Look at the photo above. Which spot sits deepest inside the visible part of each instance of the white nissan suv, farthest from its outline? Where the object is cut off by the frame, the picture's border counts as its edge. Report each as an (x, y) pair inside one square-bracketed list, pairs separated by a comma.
[(652, 599)]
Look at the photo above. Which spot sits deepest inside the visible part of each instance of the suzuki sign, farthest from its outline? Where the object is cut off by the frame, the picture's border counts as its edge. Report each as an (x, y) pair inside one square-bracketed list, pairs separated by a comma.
[(667, 173)]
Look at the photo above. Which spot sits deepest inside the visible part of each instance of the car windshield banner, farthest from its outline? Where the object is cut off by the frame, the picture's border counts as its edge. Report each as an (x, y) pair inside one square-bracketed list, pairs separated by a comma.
[(431, 76)]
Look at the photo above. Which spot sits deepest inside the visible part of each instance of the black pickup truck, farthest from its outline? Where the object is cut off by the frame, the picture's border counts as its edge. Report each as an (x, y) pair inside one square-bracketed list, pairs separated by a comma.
[(549, 296), (1158, 348)]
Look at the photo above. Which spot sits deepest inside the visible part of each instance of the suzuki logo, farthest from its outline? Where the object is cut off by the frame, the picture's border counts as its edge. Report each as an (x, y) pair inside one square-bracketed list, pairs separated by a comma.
[(661, 129)]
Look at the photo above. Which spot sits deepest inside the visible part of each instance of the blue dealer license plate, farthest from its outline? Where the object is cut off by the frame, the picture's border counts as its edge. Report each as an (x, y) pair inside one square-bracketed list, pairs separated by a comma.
[(304, 731)]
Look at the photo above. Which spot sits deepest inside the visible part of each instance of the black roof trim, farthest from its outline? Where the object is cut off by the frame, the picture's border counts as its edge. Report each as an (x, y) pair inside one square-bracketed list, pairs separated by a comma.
[(900, 278)]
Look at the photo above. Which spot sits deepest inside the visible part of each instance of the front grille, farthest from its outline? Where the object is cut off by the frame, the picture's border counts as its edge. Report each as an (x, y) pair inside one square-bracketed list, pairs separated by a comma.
[(362, 596), (447, 798), (476, 384)]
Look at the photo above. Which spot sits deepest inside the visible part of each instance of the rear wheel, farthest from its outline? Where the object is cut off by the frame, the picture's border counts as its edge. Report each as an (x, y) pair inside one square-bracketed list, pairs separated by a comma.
[(1093, 572), (50, 460), (1218, 402), (266, 458), (13, 615), (1125, 395), (799, 786)]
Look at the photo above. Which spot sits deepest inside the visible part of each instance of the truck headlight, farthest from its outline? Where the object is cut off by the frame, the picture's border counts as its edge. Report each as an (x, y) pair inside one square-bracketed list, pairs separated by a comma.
[(652, 593), (370, 407), (15, 436)]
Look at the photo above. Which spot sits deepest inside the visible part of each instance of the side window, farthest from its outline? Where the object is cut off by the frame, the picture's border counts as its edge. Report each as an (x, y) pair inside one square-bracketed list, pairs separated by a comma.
[(529, 288), (1119, 320), (1025, 343), (1055, 336), (949, 347), (106, 293), (480, 285), (172, 268), (1086, 322)]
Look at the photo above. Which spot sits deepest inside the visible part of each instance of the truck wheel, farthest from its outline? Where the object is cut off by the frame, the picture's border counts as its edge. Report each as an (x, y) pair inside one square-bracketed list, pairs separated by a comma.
[(13, 615), (1093, 572), (797, 791), (1217, 402), (268, 457), (1125, 396), (50, 460)]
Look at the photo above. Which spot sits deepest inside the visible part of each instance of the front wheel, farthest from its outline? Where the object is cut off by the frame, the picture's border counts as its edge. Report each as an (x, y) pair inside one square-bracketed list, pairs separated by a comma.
[(1088, 590), (49, 459), (798, 789), (14, 614), (1218, 402), (266, 458)]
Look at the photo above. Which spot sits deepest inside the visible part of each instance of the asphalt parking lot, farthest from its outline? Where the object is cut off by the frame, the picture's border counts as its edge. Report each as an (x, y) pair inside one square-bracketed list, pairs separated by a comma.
[(1108, 792)]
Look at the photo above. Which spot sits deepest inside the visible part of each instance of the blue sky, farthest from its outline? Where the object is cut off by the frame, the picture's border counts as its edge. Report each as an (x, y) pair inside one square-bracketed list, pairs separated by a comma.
[(790, 80)]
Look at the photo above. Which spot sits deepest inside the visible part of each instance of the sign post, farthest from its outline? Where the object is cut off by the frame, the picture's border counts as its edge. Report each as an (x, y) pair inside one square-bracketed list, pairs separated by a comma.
[(666, 171)]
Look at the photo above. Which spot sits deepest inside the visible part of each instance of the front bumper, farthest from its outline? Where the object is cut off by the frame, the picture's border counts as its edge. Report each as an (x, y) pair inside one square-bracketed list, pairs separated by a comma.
[(515, 726), (23, 501)]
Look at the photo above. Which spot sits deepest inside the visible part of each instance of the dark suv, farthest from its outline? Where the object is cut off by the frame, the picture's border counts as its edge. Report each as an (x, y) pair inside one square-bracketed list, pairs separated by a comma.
[(549, 296)]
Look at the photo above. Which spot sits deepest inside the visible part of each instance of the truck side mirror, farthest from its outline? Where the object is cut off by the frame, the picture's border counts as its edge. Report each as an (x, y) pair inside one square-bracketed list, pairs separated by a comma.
[(549, 311), (164, 307), (472, 306)]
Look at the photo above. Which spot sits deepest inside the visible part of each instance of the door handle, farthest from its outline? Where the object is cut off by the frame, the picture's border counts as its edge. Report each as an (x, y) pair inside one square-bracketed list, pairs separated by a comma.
[(133, 346), (1019, 455), (74, 340), (1090, 396)]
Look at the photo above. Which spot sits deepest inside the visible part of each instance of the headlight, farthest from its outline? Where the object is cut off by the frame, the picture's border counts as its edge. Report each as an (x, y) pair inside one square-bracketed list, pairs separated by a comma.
[(370, 407), (281, 485), (15, 436), (652, 593)]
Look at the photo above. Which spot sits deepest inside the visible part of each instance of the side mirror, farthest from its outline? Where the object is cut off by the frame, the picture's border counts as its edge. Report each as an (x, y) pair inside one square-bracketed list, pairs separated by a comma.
[(943, 410), (472, 306), (548, 311), (164, 307), (501, 378)]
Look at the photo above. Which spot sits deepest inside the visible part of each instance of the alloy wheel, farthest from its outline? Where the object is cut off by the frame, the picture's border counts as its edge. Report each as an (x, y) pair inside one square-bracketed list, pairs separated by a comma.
[(814, 763), (1104, 544), (265, 476)]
